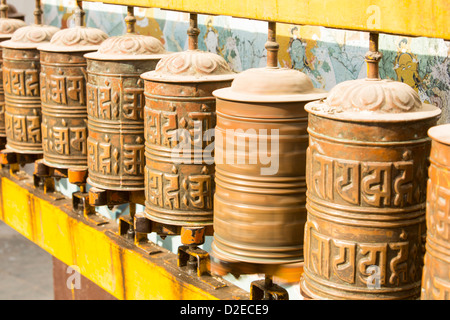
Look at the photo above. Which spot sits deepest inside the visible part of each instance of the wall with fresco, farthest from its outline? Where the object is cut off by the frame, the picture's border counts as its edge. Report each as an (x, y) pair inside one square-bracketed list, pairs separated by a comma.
[(328, 56)]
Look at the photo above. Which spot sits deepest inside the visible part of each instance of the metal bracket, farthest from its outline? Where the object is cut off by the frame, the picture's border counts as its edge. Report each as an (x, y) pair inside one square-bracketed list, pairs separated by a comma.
[(42, 178), (196, 262), (80, 205), (14, 160), (105, 197), (101, 197), (129, 232), (189, 257), (126, 227), (195, 259), (267, 290)]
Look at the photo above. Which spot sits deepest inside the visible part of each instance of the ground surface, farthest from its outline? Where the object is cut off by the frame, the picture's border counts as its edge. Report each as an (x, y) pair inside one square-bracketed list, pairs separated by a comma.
[(25, 268)]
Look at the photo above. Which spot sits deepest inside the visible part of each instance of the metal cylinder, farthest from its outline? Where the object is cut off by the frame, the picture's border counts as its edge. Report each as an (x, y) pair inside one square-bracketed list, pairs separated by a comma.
[(179, 113), (7, 28), (116, 110), (63, 95), (21, 72), (366, 180), (436, 271), (261, 141)]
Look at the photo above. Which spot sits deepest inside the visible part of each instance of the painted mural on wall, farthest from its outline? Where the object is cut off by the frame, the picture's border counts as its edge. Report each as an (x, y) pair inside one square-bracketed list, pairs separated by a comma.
[(422, 63), (328, 56)]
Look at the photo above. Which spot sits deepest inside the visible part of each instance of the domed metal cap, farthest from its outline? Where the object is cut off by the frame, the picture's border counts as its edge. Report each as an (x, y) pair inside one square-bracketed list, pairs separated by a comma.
[(440, 133), (191, 66), (374, 99), (271, 84), (129, 46), (30, 37), (9, 26), (374, 95), (75, 39)]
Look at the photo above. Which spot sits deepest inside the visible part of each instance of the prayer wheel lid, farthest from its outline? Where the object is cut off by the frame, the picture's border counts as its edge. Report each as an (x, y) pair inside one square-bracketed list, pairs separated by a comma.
[(373, 100), (9, 26), (271, 84), (75, 39), (191, 66), (129, 46), (30, 37), (440, 133)]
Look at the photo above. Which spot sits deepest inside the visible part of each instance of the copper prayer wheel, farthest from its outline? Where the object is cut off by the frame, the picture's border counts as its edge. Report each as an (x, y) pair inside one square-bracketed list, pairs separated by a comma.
[(259, 205), (63, 94), (21, 71), (115, 94), (367, 167), (7, 28), (436, 271), (180, 110)]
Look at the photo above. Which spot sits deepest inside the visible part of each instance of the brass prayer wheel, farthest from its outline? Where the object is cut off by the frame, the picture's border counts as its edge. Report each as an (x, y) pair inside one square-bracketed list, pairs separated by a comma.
[(259, 205), (21, 71), (436, 271), (7, 28), (63, 94), (367, 167), (115, 94), (180, 112), (259, 216)]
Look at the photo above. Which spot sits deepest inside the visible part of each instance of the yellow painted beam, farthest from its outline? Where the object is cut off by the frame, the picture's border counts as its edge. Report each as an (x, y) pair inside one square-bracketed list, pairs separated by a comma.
[(116, 265), (428, 18)]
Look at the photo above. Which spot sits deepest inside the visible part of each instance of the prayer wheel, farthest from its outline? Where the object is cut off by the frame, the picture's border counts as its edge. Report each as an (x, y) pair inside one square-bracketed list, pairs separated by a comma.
[(63, 94), (367, 167), (436, 271), (367, 170), (7, 28), (115, 94), (21, 71), (261, 141), (180, 114)]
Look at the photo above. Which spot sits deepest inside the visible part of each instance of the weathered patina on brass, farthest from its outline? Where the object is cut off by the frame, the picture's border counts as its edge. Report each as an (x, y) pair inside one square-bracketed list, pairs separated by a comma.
[(7, 28), (63, 94), (179, 115), (21, 70), (115, 94), (259, 206), (366, 180), (436, 271)]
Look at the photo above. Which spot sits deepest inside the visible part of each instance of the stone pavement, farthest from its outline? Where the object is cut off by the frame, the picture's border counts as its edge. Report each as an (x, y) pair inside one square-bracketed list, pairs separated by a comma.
[(26, 270)]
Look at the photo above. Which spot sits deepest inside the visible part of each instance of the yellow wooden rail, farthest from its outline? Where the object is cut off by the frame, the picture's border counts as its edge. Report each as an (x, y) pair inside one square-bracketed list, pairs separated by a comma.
[(121, 268), (428, 18)]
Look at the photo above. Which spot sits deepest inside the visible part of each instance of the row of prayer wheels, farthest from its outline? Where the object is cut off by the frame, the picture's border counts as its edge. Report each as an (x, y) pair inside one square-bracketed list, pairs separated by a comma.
[(290, 177)]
